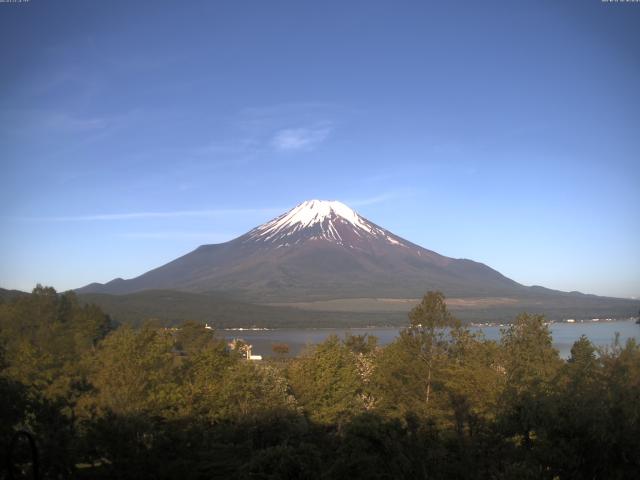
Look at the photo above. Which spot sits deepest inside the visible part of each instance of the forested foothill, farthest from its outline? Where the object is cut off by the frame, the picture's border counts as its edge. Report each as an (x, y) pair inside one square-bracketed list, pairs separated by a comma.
[(104, 401)]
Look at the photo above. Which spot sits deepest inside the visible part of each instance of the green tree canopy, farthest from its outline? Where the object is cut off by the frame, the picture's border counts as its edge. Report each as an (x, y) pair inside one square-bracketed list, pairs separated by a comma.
[(326, 382)]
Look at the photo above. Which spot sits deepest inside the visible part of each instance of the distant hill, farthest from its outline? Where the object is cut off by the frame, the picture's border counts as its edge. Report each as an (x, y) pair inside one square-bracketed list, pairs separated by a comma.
[(174, 307), (9, 294), (223, 311)]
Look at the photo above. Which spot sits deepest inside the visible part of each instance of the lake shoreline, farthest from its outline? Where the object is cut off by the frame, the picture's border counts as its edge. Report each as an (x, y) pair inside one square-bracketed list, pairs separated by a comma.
[(601, 333)]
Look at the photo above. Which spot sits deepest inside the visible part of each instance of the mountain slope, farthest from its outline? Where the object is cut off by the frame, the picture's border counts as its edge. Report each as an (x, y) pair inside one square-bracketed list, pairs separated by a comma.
[(318, 250), (173, 307), (7, 295)]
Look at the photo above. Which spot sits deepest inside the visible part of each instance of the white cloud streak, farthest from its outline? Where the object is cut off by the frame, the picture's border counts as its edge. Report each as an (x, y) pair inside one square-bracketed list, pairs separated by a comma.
[(149, 215), (208, 236), (362, 202), (125, 216), (297, 139)]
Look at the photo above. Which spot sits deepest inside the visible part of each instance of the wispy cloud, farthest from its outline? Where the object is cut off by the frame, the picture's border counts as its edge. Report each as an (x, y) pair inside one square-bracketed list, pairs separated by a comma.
[(296, 139), (362, 202), (205, 236), (124, 216), (278, 116), (149, 215), (38, 123), (254, 132), (73, 123), (228, 147)]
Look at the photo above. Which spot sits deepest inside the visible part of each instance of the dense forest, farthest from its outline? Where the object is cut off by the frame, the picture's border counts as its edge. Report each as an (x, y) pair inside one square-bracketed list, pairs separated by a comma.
[(83, 398)]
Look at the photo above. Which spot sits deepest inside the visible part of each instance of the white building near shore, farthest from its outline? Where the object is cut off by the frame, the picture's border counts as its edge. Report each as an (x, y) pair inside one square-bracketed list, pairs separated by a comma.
[(244, 348)]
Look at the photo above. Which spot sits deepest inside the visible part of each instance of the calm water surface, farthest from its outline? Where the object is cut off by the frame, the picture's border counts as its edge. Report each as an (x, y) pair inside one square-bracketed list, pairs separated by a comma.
[(564, 334)]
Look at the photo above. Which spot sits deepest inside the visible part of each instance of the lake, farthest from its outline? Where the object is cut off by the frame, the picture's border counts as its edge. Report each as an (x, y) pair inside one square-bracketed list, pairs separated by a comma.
[(564, 334)]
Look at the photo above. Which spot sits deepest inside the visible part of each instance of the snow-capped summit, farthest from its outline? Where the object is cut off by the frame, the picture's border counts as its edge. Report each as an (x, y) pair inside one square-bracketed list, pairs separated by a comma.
[(316, 211), (320, 220)]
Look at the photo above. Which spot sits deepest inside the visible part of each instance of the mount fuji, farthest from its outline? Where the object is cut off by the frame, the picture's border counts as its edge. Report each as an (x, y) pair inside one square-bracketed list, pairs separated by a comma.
[(318, 250), (321, 262)]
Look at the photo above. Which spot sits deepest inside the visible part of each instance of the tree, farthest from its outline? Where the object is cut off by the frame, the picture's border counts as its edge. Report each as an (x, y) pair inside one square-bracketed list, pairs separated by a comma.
[(192, 337), (398, 382), (472, 380), (531, 365), (412, 368), (528, 354), (428, 320), (325, 381), (583, 360), (250, 391), (361, 344), (45, 334), (280, 349), (621, 377), (136, 371), (372, 448)]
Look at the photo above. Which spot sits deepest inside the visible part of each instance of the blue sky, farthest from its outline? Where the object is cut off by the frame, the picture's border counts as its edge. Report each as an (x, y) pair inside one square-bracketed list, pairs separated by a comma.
[(132, 132)]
